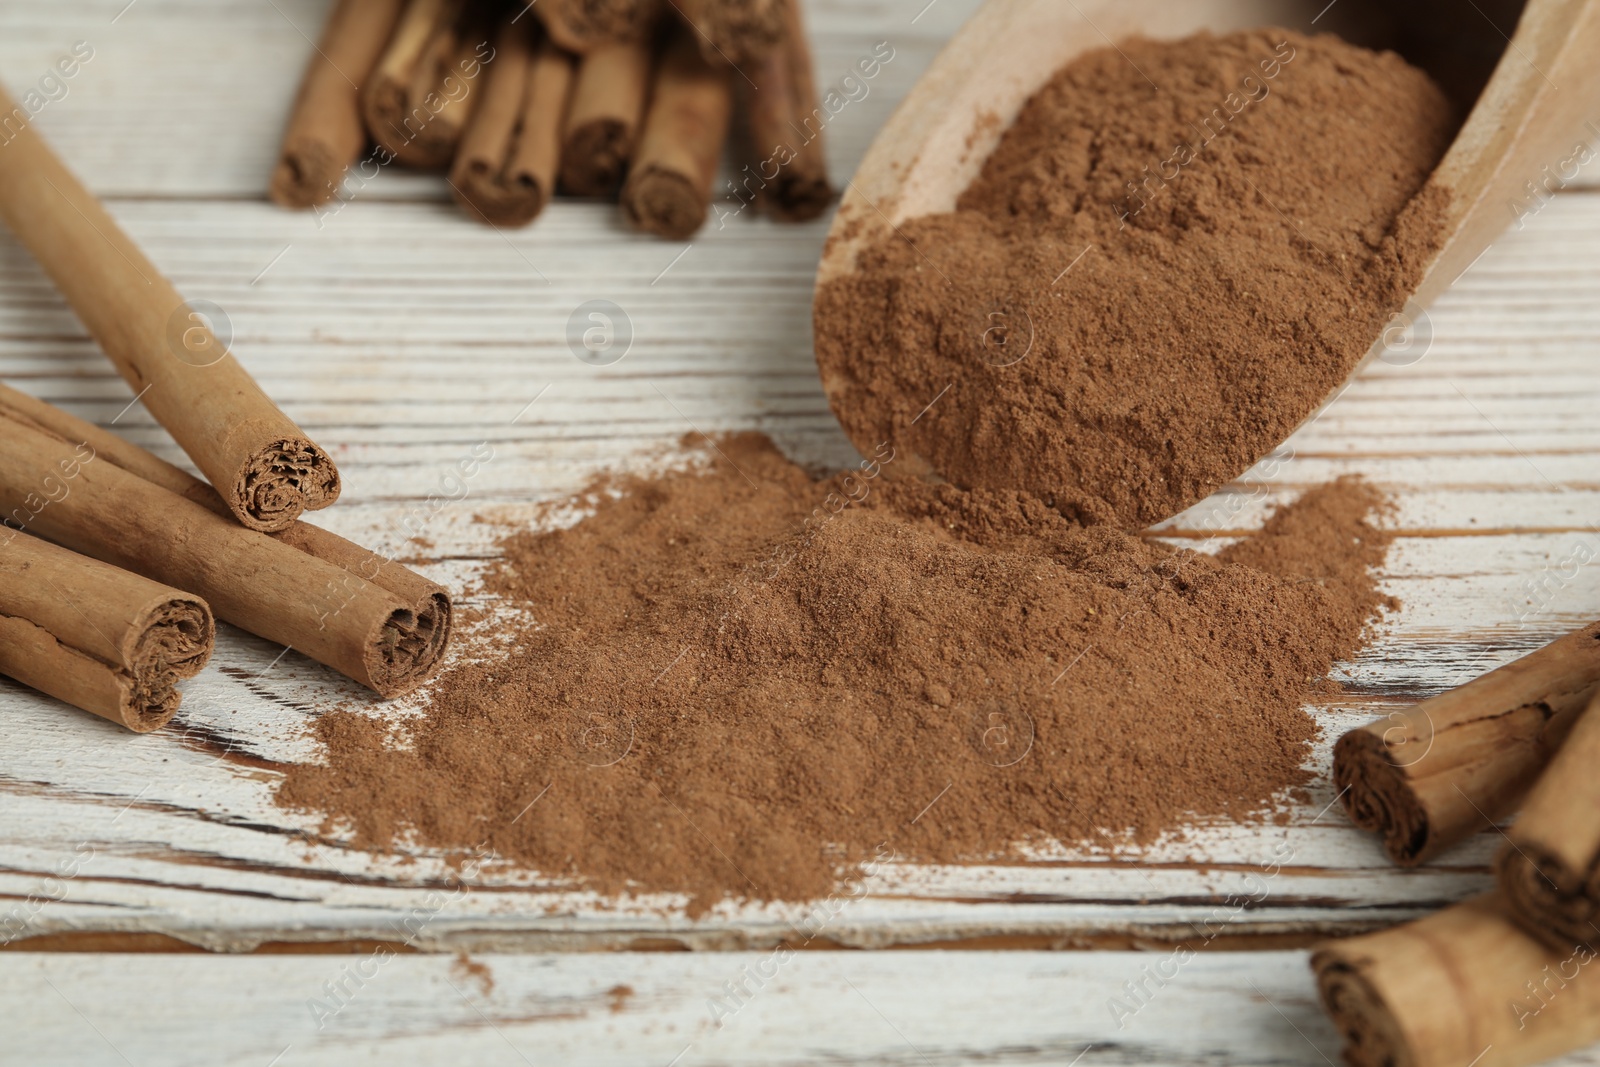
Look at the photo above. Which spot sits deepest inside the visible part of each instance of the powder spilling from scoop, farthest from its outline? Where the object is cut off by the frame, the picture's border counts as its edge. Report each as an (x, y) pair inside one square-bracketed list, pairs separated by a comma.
[(1175, 254), (741, 679)]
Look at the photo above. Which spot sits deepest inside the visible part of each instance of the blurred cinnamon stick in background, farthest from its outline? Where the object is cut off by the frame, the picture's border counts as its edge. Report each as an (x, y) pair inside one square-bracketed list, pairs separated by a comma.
[(736, 32), (98, 637), (266, 469), (480, 179), (583, 25), (631, 116), (786, 126), (1433, 775), (326, 132), (371, 619), (459, 83), (505, 171), (420, 96), (602, 124), (1549, 867), (668, 191)]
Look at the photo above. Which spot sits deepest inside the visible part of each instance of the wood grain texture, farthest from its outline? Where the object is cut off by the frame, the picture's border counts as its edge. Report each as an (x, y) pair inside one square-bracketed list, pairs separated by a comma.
[(400, 336), (838, 1008), (845, 1009)]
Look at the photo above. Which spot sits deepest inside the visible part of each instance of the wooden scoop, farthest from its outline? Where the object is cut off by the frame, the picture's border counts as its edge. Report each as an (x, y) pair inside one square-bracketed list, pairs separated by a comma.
[(1526, 99)]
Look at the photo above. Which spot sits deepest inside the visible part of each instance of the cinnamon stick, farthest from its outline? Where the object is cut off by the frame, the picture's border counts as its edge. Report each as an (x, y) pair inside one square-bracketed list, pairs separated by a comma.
[(1429, 777), (608, 100), (786, 126), (420, 97), (428, 598), (260, 583), (266, 469), (734, 32), (97, 637), (669, 184), (325, 133), (1465, 985), (1549, 868), (583, 25), (506, 168), (458, 84)]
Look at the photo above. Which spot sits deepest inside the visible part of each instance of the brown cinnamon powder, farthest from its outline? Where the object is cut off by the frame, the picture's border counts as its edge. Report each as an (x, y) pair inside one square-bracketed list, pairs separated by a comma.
[(744, 680), (1175, 254)]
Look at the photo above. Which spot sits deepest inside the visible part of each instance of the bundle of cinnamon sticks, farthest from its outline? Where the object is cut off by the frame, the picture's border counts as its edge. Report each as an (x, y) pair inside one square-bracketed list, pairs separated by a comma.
[(1504, 978), (112, 561), (631, 99)]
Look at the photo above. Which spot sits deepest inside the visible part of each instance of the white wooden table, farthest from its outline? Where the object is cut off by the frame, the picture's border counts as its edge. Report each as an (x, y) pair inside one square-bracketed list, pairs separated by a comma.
[(400, 336)]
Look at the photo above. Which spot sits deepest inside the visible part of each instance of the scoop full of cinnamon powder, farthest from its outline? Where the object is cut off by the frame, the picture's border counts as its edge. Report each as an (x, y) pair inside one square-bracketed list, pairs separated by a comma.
[(1174, 255), (742, 679)]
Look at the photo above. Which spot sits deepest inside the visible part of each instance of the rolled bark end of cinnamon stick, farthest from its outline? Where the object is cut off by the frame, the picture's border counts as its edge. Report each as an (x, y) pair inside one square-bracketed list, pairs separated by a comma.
[(385, 98), (1431, 776), (1379, 798), (1371, 1033), (1549, 868), (478, 178), (1556, 902), (583, 25), (98, 637), (668, 191), (308, 173), (595, 158), (280, 482), (383, 108), (492, 198), (608, 101), (800, 197), (425, 135), (175, 642), (325, 133), (456, 84), (419, 98), (407, 647), (666, 202), (506, 169), (1465, 985)]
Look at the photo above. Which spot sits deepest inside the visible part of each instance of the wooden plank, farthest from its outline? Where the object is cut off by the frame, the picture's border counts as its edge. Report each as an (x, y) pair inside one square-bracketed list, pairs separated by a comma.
[(657, 1009), (400, 335), (694, 1010)]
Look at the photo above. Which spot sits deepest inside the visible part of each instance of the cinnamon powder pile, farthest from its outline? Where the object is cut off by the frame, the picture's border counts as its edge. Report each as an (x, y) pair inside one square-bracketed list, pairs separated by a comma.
[(1174, 255), (741, 679)]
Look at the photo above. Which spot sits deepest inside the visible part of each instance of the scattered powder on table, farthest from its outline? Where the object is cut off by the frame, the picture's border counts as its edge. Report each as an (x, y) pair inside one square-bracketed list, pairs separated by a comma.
[(1175, 254), (468, 969), (725, 681)]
